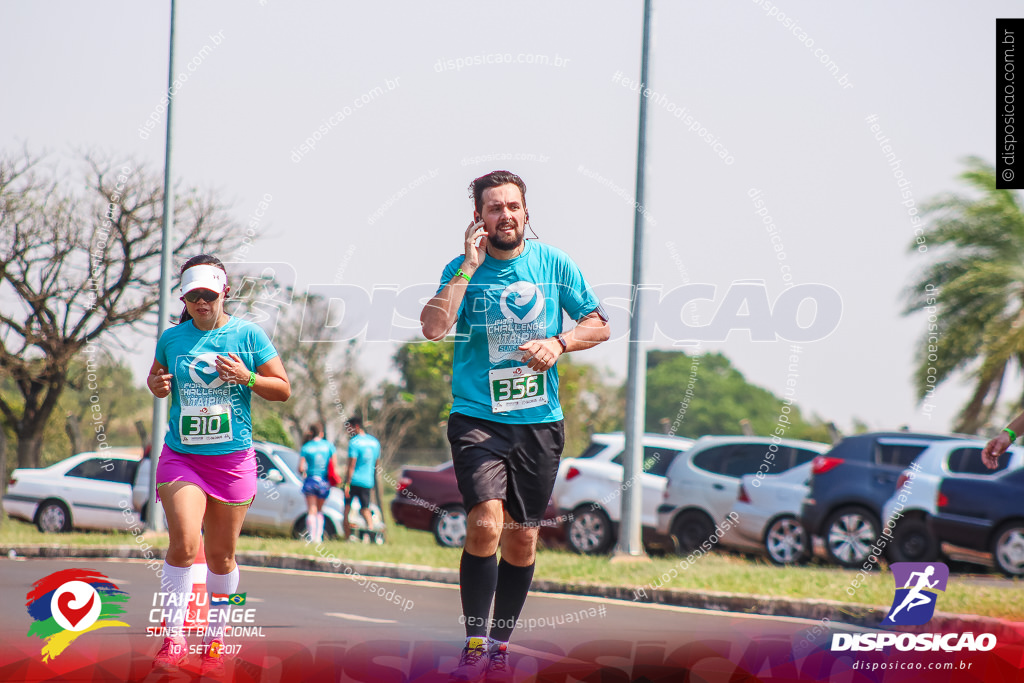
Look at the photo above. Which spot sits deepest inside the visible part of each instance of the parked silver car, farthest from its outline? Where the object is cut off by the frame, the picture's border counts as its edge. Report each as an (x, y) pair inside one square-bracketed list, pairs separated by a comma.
[(768, 511), (86, 491), (703, 483), (279, 507)]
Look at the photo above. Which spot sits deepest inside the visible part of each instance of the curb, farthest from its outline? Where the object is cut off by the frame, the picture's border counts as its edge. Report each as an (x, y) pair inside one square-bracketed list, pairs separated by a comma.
[(865, 616)]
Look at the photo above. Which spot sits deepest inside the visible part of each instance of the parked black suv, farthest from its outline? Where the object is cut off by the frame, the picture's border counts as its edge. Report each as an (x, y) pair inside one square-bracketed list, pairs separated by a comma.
[(849, 485), (986, 514)]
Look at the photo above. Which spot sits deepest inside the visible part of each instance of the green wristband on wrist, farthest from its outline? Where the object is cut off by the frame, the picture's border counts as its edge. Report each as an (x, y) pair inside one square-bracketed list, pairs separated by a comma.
[(1013, 434), (252, 380), (459, 273)]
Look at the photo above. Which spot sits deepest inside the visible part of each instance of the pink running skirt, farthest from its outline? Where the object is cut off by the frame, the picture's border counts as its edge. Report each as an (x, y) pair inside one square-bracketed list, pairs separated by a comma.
[(229, 478)]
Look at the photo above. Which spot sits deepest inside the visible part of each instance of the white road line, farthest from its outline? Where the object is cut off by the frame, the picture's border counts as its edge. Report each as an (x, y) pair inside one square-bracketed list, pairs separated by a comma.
[(358, 617)]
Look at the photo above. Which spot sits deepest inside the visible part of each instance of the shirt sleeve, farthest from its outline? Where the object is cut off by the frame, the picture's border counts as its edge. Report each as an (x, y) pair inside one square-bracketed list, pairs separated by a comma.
[(446, 276), (161, 350), (575, 294), (262, 349)]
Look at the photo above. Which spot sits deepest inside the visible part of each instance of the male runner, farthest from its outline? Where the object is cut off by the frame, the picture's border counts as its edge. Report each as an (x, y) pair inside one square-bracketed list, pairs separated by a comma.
[(508, 296), (363, 451)]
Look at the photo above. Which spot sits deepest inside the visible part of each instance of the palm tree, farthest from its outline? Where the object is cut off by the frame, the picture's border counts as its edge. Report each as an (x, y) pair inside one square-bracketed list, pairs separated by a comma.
[(973, 293)]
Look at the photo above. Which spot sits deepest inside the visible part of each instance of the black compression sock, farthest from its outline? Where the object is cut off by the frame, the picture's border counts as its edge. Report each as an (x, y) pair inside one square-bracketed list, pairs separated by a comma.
[(510, 596), (478, 577)]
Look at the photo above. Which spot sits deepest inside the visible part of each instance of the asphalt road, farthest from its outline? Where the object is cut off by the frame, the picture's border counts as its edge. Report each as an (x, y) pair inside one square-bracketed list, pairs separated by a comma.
[(315, 626)]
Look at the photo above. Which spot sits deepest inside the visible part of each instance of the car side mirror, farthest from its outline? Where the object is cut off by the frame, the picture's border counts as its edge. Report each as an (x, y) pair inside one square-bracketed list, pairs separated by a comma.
[(275, 476)]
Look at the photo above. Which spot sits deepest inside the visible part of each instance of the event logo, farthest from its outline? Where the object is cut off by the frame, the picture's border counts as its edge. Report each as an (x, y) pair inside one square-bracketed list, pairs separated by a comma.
[(70, 603), (203, 370), (914, 602), (524, 293)]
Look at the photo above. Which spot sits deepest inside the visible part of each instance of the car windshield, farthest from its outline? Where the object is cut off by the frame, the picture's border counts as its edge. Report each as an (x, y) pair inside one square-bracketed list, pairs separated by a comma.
[(290, 457), (593, 449)]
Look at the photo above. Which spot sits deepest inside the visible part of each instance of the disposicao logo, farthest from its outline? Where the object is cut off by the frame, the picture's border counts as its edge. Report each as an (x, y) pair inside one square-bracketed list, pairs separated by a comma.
[(69, 603), (914, 603)]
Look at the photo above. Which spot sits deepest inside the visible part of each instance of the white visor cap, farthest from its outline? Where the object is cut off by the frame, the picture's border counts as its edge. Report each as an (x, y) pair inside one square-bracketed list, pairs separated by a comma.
[(203, 277)]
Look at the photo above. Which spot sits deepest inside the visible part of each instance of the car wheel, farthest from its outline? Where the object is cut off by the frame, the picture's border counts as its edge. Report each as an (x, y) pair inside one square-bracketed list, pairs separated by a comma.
[(849, 535), (330, 533), (590, 531), (144, 514), (912, 542), (449, 526), (1008, 549), (53, 517), (690, 529), (786, 542)]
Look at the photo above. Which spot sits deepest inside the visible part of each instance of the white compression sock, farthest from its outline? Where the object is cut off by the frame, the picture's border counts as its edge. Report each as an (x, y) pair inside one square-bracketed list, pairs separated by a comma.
[(311, 527), (221, 584), (176, 584), (319, 527)]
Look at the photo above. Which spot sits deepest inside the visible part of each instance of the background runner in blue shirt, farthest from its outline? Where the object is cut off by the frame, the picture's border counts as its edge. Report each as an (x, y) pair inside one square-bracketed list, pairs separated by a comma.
[(316, 454), (363, 452), (508, 298)]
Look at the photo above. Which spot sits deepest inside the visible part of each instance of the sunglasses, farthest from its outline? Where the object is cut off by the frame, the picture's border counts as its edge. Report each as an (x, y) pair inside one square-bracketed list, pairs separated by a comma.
[(205, 294)]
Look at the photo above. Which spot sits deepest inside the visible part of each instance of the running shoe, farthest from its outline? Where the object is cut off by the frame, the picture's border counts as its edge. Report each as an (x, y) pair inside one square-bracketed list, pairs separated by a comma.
[(211, 663), (473, 662), (172, 654), (498, 670)]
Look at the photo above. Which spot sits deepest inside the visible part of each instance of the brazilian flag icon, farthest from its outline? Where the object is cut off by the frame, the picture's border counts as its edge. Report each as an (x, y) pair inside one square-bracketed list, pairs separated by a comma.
[(237, 598)]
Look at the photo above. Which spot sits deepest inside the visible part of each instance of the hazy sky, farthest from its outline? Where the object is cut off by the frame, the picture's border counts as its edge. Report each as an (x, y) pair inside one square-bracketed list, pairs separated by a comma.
[(413, 100)]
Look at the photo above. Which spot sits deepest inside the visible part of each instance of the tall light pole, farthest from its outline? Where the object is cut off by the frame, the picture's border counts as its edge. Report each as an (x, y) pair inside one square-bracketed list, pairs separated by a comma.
[(630, 544), (153, 520)]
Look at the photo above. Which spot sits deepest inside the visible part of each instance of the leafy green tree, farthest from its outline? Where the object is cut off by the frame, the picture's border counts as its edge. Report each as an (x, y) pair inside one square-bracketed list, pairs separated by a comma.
[(426, 376), (972, 292), (102, 400), (591, 404), (270, 428), (719, 398)]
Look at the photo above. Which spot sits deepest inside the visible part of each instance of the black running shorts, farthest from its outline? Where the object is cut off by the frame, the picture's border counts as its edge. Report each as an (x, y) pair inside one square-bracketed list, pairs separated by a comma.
[(360, 493), (515, 463)]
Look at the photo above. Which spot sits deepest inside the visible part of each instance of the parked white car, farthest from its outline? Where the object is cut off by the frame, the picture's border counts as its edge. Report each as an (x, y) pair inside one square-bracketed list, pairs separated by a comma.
[(703, 486), (768, 515), (86, 491), (279, 506), (588, 489), (913, 540)]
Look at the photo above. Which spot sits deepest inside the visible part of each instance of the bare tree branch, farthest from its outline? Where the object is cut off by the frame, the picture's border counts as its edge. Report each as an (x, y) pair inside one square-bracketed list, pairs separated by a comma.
[(79, 260)]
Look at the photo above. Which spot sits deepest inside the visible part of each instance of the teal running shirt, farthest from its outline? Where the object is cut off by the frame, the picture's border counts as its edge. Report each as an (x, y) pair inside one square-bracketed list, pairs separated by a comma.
[(365, 449), (317, 453), (508, 303), (209, 416)]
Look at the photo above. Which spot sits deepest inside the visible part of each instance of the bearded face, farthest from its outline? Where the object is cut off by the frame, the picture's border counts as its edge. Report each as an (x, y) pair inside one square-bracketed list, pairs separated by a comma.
[(504, 216)]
